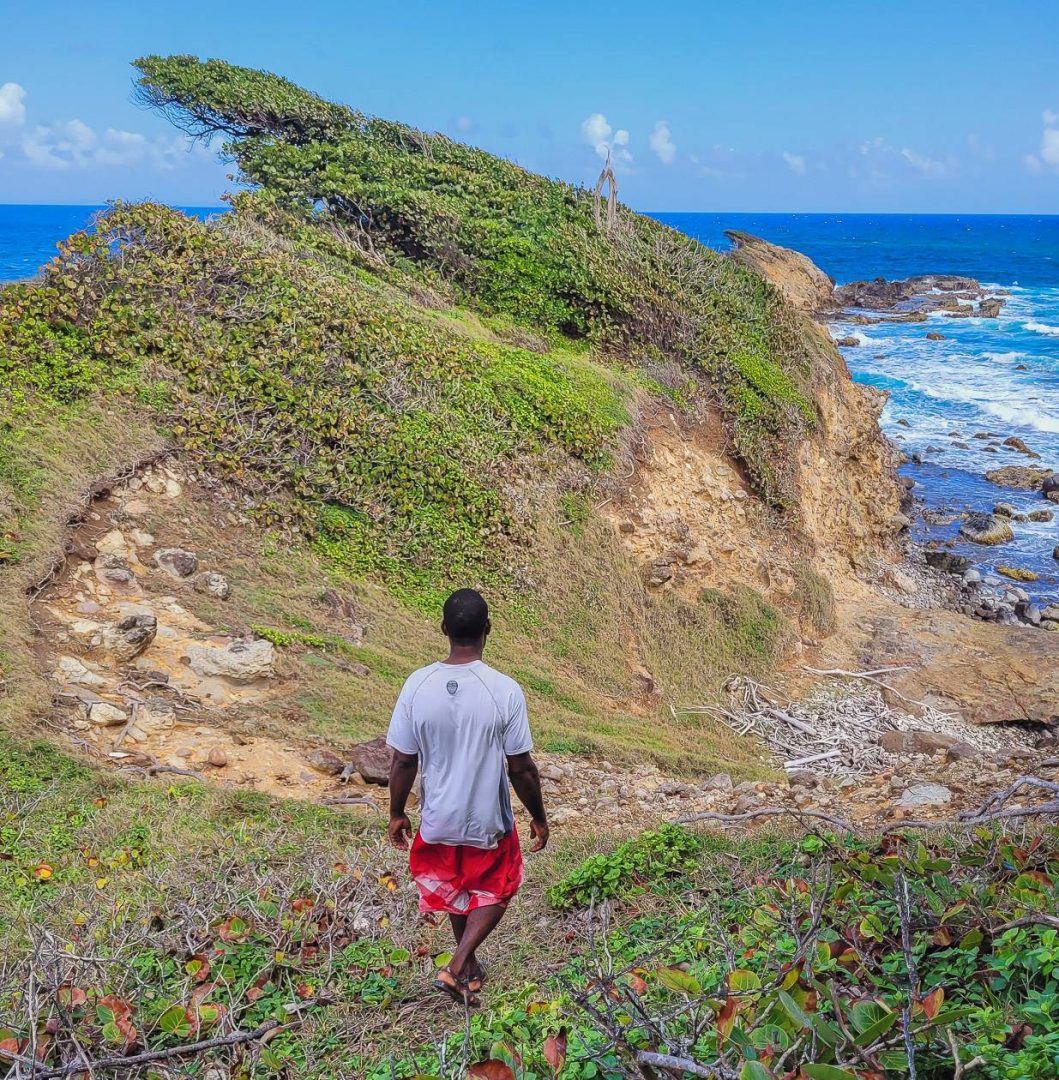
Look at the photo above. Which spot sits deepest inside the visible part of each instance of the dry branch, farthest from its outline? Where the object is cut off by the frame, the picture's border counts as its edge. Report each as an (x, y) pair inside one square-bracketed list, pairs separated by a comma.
[(131, 1062)]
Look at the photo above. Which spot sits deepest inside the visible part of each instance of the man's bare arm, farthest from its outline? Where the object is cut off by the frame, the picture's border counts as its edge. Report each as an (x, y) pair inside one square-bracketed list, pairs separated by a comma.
[(526, 781), (403, 771)]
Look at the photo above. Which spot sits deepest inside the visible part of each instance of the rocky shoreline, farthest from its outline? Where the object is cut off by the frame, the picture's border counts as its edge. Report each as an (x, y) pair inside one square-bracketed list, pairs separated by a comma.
[(993, 597)]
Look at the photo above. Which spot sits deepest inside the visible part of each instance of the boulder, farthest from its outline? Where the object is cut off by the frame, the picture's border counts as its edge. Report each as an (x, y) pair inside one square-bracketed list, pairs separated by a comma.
[(1017, 573), (989, 307), (1004, 510), (243, 660), (1013, 442), (126, 639), (213, 584), (1041, 515), (947, 562), (848, 342), (986, 529), (217, 758), (933, 335), (1050, 488), (372, 760), (1023, 477), (177, 562)]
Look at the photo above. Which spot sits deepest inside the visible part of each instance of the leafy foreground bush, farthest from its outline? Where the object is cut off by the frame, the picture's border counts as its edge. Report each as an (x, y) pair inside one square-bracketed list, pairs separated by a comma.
[(155, 929)]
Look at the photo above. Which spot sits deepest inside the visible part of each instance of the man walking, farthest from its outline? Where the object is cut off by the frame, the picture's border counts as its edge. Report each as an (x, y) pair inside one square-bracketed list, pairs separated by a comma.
[(461, 722)]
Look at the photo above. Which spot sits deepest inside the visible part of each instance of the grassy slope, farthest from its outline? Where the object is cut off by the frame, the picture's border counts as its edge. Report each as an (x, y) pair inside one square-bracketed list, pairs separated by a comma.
[(431, 398)]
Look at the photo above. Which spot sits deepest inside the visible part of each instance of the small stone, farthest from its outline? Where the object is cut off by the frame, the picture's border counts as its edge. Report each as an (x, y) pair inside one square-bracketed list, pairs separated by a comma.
[(326, 761), (1004, 510), (81, 549), (129, 637), (70, 669), (104, 714), (1040, 515), (720, 782), (552, 772), (176, 562), (217, 758), (211, 583), (136, 508), (928, 794)]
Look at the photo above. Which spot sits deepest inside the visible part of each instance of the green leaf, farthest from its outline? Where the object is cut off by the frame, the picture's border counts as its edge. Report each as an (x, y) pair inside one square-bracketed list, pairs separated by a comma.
[(741, 979), (174, 1021), (877, 1030), (827, 1072), (754, 1070), (794, 1011), (676, 979)]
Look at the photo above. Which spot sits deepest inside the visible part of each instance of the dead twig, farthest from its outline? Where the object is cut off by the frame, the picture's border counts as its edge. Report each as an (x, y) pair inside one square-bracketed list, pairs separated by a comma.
[(235, 1039)]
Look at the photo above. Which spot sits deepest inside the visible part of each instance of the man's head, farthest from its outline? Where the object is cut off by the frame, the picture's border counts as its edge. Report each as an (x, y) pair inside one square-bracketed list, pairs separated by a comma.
[(465, 618)]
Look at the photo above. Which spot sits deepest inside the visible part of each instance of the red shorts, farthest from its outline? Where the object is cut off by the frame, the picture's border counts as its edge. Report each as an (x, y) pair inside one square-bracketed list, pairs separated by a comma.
[(458, 878)]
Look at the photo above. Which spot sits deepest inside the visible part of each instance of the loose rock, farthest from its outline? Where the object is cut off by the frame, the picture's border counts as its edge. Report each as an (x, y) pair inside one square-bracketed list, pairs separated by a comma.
[(177, 562), (986, 529)]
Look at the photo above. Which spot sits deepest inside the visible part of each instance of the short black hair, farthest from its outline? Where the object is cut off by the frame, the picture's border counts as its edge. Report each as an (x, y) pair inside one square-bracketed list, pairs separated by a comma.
[(465, 617)]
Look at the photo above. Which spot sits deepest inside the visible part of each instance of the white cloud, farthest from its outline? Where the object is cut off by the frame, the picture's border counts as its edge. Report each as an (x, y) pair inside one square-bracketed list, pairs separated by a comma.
[(661, 142), (1048, 152), (928, 166), (74, 145), (795, 162), (1050, 146), (605, 140), (12, 107)]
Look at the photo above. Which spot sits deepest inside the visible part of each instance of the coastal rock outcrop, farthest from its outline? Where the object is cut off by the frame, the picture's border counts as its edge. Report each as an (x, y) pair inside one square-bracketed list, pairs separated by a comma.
[(794, 274)]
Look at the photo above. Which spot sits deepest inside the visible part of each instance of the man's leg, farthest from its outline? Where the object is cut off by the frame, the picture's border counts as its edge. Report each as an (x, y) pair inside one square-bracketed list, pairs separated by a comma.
[(479, 924)]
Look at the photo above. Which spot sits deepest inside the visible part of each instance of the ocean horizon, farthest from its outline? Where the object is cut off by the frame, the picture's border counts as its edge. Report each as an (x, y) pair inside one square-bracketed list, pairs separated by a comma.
[(952, 401)]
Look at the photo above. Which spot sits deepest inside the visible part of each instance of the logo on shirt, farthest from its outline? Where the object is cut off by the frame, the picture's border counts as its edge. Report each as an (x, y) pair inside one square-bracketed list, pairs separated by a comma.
[(452, 686)]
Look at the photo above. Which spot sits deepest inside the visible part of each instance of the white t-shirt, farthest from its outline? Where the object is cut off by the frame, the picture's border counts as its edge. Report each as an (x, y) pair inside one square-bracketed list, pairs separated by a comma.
[(463, 720)]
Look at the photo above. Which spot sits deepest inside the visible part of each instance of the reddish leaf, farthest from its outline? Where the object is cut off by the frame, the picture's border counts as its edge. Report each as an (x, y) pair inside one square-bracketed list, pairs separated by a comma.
[(71, 997), (254, 993), (234, 929), (491, 1070), (637, 984), (726, 1018), (932, 1002), (198, 967), (555, 1050), (9, 1046), (304, 991), (118, 1006), (303, 903)]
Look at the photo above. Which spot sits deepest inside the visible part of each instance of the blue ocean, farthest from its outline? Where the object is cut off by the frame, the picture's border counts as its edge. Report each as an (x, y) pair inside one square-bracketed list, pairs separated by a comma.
[(987, 376)]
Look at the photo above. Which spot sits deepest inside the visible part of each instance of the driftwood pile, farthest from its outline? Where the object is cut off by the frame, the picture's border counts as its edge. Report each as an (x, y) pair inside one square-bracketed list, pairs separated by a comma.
[(832, 734)]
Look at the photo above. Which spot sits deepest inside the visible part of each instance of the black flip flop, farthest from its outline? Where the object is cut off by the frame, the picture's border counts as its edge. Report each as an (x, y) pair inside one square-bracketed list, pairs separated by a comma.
[(457, 989)]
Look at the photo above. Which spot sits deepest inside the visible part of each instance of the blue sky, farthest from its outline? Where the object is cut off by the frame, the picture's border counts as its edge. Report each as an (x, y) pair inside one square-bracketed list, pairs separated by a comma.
[(758, 105)]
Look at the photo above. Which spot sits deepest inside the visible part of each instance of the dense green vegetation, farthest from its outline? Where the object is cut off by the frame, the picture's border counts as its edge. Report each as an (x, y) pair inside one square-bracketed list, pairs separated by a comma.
[(767, 958)]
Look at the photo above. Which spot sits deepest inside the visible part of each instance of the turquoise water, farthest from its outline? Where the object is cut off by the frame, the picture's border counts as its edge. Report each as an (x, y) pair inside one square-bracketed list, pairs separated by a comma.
[(997, 376)]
